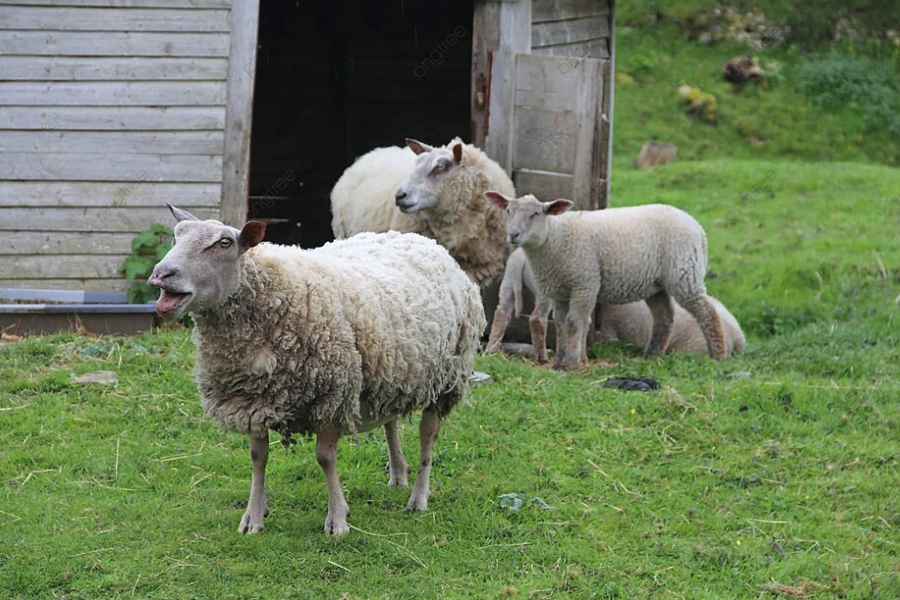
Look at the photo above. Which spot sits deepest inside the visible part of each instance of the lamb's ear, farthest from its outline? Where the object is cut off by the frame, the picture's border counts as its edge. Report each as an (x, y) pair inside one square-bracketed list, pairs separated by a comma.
[(181, 215), (558, 207), (457, 153), (418, 147), (497, 199), (252, 234)]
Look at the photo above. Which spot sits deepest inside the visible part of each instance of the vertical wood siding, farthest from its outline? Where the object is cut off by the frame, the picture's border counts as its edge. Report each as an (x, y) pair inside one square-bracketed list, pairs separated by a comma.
[(108, 110)]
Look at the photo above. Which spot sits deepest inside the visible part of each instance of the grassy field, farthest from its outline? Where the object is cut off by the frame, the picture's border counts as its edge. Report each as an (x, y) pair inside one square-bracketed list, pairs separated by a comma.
[(777, 468)]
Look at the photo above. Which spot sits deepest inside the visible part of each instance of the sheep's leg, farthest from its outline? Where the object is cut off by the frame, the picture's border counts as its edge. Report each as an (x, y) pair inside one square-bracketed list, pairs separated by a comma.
[(560, 314), (257, 507), (428, 432), (710, 324), (399, 469), (502, 316), (326, 455), (575, 325), (537, 323), (663, 312)]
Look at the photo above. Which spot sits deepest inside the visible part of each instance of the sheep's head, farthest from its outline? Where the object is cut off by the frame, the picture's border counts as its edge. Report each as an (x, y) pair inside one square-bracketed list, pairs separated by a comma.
[(203, 267), (432, 177), (527, 221)]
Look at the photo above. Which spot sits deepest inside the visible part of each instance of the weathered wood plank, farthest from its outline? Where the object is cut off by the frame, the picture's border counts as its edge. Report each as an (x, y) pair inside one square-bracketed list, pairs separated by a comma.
[(124, 3), (545, 139), (588, 151), (110, 93), (113, 142), (556, 10), (549, 83), (66, 284), (239, 113), (55, 68), (106, 194), (485, 41), (88, 43), (91, 219), (110, 167), (66, 242), (543, 184), (112, 118), (569, 31), (53, 18), (598, 48), (92, 266)]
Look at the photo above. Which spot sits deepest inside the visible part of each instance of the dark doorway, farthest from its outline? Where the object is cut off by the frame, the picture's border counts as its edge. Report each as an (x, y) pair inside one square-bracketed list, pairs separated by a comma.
[(337, 78)]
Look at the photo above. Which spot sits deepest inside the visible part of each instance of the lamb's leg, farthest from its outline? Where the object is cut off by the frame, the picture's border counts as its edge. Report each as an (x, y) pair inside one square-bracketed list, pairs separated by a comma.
[(663, 312), (560, 314), (428, 432), (399, 469), (326, 455), (576, 325), (710, 324), (502, 316), (257, 507), (537, 323)]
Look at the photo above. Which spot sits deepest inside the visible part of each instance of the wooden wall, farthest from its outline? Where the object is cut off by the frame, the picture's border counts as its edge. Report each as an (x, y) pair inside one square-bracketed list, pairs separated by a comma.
[(108, 110), (579, 28)]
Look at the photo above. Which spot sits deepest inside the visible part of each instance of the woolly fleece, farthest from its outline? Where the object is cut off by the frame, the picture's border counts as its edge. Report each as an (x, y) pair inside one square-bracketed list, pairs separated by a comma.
[(349, 335)]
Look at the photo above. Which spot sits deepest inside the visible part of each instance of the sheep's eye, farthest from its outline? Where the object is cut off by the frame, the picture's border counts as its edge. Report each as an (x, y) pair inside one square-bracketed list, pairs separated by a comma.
[(439, 168), (225, 242)]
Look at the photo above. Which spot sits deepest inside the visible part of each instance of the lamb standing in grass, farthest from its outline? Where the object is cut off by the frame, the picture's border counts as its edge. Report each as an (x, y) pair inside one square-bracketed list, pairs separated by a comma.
[(323, 342), (438, 192), (631, 323), (614, 256)]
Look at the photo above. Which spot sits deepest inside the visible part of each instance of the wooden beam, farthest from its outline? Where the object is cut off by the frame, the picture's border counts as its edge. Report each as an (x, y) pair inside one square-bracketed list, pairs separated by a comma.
[(238, 112)]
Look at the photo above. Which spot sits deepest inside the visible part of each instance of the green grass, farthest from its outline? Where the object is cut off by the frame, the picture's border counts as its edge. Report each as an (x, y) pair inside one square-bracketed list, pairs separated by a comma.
[(781, 465)]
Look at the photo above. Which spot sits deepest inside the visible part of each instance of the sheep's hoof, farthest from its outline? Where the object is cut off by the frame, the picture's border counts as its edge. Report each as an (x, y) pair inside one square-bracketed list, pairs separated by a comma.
[(333, 528), (252, 522), (417, 505)]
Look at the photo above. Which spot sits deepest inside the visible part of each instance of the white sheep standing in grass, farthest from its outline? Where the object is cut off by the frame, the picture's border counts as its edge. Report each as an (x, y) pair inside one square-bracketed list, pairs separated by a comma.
[(435, 191), (631, 323), (324, 342), (614, 256)]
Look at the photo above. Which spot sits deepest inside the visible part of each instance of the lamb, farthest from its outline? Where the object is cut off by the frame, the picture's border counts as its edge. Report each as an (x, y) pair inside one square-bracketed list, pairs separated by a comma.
[(437, 192), (631, 323), (325, 342), (613, 256)]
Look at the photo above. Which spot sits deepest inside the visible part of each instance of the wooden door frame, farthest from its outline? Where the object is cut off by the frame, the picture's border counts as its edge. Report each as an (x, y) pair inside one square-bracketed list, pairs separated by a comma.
[(239, 112)]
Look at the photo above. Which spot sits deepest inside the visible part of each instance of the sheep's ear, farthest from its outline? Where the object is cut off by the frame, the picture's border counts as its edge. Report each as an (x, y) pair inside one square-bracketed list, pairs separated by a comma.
[(181, 215), (497, 199), (558, 207), (252, 234), (418, 147), (457, 153)]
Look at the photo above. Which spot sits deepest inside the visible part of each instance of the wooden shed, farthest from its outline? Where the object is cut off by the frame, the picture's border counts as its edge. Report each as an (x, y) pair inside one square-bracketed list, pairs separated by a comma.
[(111, 108)]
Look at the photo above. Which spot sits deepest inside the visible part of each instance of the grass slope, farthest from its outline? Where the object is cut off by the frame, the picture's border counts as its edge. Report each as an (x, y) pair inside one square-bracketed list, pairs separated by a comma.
[(777, 467)]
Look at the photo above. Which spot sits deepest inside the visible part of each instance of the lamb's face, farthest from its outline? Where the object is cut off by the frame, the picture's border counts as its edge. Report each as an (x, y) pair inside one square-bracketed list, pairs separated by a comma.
[(527, 222), (432, 178), (203, 267)]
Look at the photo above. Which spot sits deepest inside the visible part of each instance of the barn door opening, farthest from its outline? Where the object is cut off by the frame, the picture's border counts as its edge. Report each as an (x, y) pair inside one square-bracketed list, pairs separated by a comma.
[(548, 127), (337, 78)]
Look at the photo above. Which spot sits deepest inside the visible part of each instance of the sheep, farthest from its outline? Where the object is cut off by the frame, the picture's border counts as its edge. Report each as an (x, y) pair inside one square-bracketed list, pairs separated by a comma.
[(437, 192), (631, 323), (325, 342), (613, 256)]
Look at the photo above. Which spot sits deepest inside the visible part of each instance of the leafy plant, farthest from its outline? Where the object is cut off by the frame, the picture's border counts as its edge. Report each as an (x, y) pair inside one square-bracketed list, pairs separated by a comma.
[(833, 80), (147, 248)]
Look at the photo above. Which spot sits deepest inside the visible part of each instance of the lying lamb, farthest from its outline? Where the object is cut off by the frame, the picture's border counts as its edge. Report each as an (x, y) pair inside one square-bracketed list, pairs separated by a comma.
[(323, 342), (437, 192), (631, 323), (613, 256)]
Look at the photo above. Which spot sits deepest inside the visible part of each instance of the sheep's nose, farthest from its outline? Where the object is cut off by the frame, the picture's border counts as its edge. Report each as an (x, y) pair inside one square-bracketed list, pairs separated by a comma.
[(400, 195), (161, 273), (513, 238)]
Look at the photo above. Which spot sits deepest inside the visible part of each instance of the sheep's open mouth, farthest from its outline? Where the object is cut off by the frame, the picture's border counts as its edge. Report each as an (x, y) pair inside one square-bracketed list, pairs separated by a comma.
[(169, 301)]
